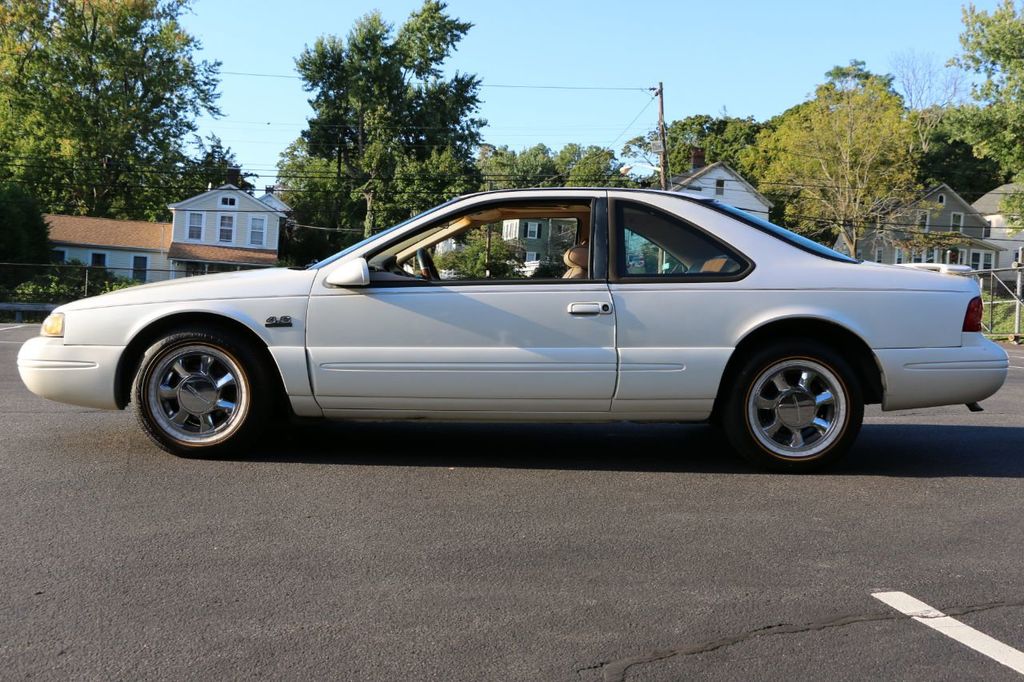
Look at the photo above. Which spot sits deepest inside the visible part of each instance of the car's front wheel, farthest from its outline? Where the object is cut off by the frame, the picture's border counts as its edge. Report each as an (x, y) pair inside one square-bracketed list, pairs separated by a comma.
[(201, 392), (794, 405)]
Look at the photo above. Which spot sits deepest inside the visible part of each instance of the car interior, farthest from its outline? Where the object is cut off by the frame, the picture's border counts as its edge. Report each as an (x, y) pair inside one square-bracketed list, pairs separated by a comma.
[(497, 242)]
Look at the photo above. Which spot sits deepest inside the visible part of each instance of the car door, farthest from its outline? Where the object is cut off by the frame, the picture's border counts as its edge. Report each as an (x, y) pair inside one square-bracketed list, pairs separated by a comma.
[(669, 281), (536, 347)]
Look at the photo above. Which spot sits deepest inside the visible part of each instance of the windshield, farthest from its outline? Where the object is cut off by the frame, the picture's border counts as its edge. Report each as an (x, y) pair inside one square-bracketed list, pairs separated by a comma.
[(785, 235), (344, 252)]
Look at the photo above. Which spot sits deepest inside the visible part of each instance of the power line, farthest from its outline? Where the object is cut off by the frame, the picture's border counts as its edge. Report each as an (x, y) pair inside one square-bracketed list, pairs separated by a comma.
[(520, 86)]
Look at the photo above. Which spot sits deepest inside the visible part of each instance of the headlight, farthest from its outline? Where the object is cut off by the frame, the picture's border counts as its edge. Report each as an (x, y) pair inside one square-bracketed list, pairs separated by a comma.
[(53, 325)]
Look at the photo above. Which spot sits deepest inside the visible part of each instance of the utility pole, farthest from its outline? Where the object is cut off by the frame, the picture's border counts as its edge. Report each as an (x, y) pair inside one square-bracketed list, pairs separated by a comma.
[(662, 147)]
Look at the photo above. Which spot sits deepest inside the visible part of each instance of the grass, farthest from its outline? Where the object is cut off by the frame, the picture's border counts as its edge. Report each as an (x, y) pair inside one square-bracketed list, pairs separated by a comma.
[(998, 319)]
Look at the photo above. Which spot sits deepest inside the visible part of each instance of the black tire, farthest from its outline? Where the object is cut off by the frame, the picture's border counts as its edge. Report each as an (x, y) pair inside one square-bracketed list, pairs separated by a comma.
[(795, 405), (203, 392)]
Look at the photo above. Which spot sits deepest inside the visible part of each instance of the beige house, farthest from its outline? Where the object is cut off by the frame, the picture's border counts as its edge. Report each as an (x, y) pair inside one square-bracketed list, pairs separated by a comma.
[(224, 228), (221, 229)]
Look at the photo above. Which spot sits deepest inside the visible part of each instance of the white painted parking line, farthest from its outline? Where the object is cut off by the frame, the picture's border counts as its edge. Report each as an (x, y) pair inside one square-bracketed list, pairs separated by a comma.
[(17, 326), (951, 627)]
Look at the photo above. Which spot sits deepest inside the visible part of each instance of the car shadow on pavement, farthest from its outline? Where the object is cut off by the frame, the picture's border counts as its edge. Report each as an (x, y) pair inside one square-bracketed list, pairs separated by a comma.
[(911, 450)]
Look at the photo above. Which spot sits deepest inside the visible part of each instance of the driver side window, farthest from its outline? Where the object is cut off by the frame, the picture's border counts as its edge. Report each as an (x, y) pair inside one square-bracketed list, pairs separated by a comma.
[(517, 241)]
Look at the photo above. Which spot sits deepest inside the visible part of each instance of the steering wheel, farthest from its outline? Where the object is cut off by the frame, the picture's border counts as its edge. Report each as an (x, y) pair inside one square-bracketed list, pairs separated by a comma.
[(425, 264)]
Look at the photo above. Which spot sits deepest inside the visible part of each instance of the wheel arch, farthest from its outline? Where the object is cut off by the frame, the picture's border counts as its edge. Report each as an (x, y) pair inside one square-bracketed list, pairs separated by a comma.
[(853, 347), (148, 334)]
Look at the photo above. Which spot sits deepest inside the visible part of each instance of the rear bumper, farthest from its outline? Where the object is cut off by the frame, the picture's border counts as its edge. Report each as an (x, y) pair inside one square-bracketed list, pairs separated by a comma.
[(929, 377), (80, 375)]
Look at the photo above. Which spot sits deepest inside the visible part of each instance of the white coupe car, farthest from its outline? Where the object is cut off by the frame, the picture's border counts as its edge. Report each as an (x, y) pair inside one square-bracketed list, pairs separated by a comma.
[(563, 305)]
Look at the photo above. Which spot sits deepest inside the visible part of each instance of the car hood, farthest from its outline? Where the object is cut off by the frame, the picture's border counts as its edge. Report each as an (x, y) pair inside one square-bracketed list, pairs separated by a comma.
[(263, 283)]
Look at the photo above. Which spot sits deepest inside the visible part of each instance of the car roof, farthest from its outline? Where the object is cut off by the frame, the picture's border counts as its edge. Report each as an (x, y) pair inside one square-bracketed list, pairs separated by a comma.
[(689, 196)]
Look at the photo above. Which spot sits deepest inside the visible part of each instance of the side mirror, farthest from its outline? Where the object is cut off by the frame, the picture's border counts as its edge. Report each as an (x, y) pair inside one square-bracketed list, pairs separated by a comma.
[(353, 273)]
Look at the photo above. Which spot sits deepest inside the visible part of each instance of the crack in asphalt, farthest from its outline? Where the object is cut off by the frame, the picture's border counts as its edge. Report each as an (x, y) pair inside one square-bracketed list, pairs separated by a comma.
[(615, 670)]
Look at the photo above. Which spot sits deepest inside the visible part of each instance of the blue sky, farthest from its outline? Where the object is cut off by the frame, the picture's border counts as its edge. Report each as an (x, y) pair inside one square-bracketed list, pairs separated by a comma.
[(749, 58)]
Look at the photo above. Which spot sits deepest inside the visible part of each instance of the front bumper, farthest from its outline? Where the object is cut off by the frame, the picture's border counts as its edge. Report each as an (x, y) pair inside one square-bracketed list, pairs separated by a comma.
[(929, 377), (80, 375)]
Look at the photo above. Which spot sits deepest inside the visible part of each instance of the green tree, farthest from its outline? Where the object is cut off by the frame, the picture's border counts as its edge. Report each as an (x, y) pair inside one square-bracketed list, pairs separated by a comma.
[(482, 253), (994, 124), (953, 161), (504, 168), (381, 108), (843, 159), (723, 138), (23, 231), (590, 166), (97, 101)]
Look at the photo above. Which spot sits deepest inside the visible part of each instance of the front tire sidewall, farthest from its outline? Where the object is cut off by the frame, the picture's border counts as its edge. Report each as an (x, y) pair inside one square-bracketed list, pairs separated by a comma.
[(246, 423), (743, 435)]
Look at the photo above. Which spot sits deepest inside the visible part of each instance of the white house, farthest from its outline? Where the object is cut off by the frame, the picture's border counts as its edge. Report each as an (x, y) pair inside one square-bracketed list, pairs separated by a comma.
[(221, 229), (132, 249), (224, 228), (721, 182), (1010, 237)]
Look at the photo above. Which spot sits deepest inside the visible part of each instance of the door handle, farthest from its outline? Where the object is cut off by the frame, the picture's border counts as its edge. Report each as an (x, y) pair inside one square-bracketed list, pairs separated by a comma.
[(590, 308)]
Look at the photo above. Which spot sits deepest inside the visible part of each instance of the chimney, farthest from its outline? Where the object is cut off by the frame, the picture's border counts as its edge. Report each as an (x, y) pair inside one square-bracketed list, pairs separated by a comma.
[(234, 175), (696, 158)]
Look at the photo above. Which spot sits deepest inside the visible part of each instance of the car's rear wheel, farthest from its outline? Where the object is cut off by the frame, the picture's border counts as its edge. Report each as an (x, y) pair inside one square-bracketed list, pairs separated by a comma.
[(201, 392), (795, 406)]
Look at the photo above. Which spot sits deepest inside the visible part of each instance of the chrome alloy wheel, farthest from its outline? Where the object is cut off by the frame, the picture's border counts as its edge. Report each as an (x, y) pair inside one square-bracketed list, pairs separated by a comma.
[(797, 408), (198, 394)]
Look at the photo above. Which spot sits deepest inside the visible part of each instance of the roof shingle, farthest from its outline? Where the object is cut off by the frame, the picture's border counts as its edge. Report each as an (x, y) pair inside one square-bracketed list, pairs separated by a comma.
[(222, 254), (106, 232)]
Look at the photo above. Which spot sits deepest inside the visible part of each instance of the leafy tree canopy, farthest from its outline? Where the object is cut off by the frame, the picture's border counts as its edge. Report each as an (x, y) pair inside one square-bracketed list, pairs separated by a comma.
[(97, 102), (993, 47), (843, 159), (383, 117)]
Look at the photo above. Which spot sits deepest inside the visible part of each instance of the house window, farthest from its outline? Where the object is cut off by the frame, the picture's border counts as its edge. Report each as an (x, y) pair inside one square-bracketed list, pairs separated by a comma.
[(942, 198), (227, 201), (916, 256), (510, 230), (257, 230), (719, 187), (98, 260), (898, 256), (227, 229), (956, 222), (879, 253), (922, 221), (531, 256), (532, 230), (986, 231), (58, 256), (195, 227), (139, 266)]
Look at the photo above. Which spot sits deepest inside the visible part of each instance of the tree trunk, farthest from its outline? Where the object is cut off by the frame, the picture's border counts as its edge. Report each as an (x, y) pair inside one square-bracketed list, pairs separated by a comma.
[(368, 225)]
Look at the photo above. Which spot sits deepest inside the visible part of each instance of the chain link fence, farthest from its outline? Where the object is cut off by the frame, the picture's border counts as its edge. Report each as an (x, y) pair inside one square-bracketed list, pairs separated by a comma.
[(1001, 293), (29, 290)]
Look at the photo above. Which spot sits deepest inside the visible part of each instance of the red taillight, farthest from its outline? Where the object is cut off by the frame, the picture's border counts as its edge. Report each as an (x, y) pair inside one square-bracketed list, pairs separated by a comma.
[(972, 319)]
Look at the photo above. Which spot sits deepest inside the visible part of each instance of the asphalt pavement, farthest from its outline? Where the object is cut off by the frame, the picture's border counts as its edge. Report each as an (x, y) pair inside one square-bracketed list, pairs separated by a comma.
[(370, 551)]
